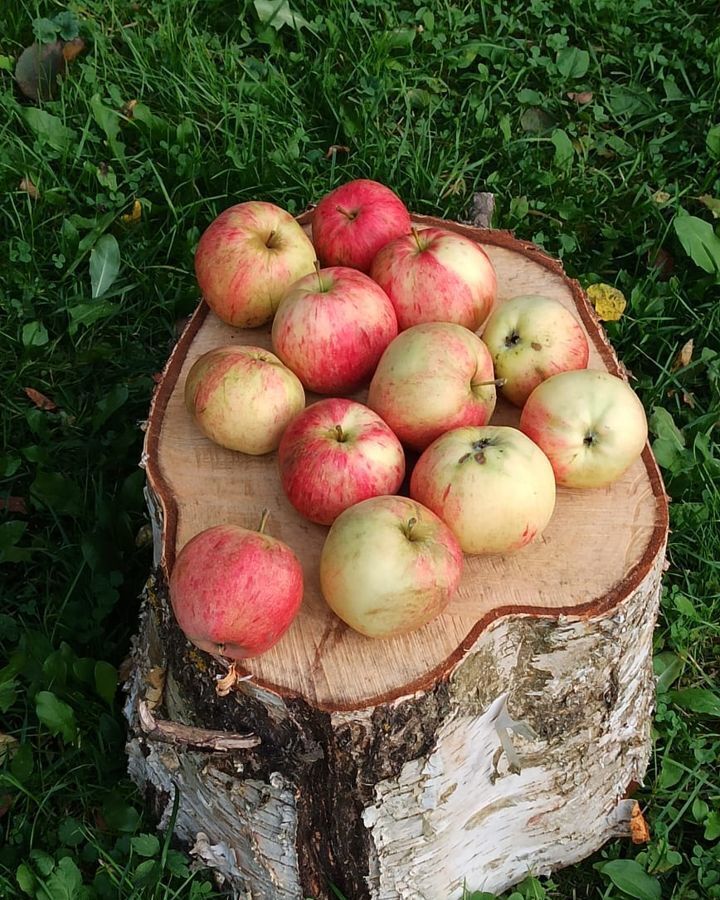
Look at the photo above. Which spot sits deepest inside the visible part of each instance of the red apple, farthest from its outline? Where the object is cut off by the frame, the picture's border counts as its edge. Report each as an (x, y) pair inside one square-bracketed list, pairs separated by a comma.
[(531, 338), (331, 329), (243, 397), (389, 566), (351, 223), (433, 378), (246, 260), (591, 425), (492, 486), (335, 454), (234, 591), (435, 275)]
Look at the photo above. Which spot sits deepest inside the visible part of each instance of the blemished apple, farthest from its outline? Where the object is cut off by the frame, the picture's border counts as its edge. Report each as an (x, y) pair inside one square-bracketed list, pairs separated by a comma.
[(433, 378), (247, 258), (351, 223), (531, 338), (234, 591), (434, 275), (492, 486), (332, 327), (336, 453), (243, 397), (590, 425), (389, 566)]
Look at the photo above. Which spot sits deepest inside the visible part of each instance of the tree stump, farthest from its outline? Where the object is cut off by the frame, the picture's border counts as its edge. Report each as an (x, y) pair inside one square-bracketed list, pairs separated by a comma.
[(499, 740)]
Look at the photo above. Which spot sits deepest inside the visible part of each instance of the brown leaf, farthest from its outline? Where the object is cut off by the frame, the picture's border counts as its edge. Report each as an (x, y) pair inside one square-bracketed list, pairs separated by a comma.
[(333, 149), (72, 49), (688, 399), (660, 197), (580, 98), (128, 109), (156, 686), (29, 188), (639, 829), (13, 505), (225, 684), (144, 537), (684, 356), (663, 262), (134, 215), (6, 802), (40, 400), (608, 301)]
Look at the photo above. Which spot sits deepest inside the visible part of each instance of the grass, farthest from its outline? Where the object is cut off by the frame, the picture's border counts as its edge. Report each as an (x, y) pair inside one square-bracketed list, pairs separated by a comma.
[(436, 99)]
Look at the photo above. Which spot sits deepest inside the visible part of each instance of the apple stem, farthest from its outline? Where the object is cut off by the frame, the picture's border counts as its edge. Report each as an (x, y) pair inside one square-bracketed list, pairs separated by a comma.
[(416, 235), (498, 382), (346, 212), (339, 433), (264, 516), (317, 272), (269, 241), (411, 523)]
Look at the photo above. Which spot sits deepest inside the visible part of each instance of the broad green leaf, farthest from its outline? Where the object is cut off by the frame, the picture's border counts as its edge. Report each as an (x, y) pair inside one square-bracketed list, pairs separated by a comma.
[(712, 827), (699, 700), (48, 128), (23, 763), (10, 534), (67, 25), (670, 773), (25, 879), (109, 121), (146, 845), (43, 861), (89, 313), (534, 119), (712, 142), (106, 679), (45, 30), (572, 62), (8, 695), (147, 872), (109, 404), (65, 883), (699, 241), (104, 264), (668, 668), (62, 495), (34, 334), (56, 715), (632, 879), (563, 148), (70, 832), (278, 13)]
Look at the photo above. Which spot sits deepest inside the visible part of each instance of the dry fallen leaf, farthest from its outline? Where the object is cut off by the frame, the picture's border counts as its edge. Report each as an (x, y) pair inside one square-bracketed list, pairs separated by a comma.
[(688, 399), (333, 149), (134, 215), (609, 303), (660, 197), (663, 262), (128, 109), (156, 686), (144, 537), (29, 188), (482, 209), (8, 746), (712, 203), (40, 400), (72, 49), (639, 830), (13, 505), (684, 356), (580, 98), (227, 683)]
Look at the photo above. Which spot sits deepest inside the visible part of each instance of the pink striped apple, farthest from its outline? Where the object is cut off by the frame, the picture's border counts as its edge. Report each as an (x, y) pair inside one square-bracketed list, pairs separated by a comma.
[(351, 223), (492, 486), (591, 426), (531, 338), (433, 378), (243, 397), (436, 275), (335, 454), (331, 329), (247, 258), (389, 566), (235, 592)]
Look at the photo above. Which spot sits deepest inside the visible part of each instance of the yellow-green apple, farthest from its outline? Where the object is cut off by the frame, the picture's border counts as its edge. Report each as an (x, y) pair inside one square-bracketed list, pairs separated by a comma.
[(246, 260), (332, 327), (235, 592), (243, 397), (436, 275), (492, 486), (590, 425), (389, 566), (336, 453), (351, 223), (433, 378), (531, 338)]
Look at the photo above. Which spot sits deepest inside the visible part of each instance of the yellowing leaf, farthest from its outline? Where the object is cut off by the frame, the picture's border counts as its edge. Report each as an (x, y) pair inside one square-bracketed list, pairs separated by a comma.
[(684, 356), (608, 301), (134, 215), (712, 203), (660, 197)]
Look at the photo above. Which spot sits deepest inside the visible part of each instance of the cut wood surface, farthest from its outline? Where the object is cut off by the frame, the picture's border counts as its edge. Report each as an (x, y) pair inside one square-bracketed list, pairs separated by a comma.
[(598, 548)]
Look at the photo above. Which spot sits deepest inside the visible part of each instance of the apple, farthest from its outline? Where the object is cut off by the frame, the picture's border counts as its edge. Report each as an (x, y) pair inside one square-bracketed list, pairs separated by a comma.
[(591, 426), (531, 338), (331, 329), (243, 397), (234, 591), (436, 275), (335, 454), (389, 566), (351, 223), (433, 378), (247, 258), (492, 486)]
